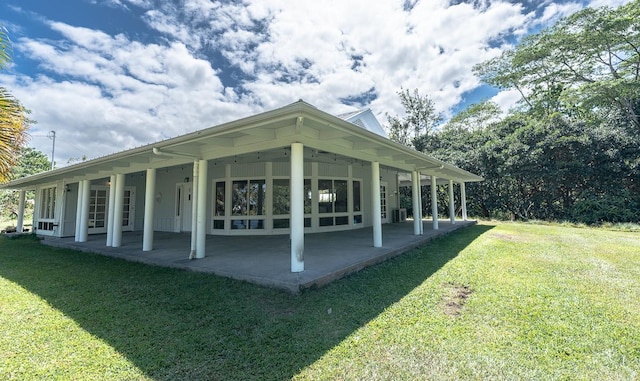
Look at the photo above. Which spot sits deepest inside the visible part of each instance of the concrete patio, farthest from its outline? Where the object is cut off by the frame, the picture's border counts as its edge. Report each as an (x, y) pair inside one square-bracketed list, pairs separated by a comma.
[(265, 260)]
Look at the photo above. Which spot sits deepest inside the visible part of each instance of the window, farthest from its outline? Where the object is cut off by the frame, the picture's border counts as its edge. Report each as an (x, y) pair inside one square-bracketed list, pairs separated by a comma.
[(281, 202), (333, 198), (219, 204), (47, 208), (220, 193), (281, 195), (97, 208), (308, 198), (126, 208), (326, 196), (48, 203), (356, 196), (357, 209), (248, 200), (341, 196), (281, 223)]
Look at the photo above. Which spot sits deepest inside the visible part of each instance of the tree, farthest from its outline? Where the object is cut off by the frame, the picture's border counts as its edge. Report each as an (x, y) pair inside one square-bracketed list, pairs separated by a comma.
[(585, 63), (13, 117), (30, 162), (79, 159), (419, 122), (478, 116)]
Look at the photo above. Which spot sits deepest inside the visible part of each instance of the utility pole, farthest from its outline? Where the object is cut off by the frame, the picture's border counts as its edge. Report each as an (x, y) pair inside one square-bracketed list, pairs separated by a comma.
[(52, 135)]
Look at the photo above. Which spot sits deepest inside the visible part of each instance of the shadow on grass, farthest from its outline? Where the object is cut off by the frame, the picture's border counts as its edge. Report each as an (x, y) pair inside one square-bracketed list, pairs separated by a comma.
[(175, 324)]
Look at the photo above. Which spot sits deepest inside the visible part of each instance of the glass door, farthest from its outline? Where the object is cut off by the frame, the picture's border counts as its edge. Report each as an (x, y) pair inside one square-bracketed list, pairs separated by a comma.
[(98, 206), (383, 203)]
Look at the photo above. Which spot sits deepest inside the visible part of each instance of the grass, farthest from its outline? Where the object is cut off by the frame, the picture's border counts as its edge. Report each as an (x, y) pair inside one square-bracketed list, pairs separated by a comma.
[(493, 301)]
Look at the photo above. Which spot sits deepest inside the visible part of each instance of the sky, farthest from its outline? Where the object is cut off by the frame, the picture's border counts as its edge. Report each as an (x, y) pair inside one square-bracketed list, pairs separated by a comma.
[(108, 75)]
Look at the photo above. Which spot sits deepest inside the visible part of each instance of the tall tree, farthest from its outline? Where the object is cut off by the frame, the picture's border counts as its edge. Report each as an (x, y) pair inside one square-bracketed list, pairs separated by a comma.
[(419, 121), (587, 62), (30, 162), (14, 120)]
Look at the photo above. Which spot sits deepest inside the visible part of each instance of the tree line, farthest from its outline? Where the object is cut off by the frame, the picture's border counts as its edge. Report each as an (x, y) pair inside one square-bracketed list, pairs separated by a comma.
[(570, 149)]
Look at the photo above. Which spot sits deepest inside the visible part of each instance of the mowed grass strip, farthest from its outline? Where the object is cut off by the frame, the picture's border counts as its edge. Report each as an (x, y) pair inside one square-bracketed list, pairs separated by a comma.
[(492, 301)]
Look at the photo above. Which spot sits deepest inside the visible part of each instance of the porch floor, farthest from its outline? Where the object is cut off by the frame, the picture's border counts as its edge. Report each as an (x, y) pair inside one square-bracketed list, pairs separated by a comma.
[(265, 260)]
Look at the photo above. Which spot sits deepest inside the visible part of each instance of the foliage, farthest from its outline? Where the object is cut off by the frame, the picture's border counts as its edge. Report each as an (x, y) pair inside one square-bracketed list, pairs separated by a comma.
[(572, 151), (419, 121), (13, 117), (551, 169), (79, 159), (30, 162), (477, 116), (506, 301), (590, 60)]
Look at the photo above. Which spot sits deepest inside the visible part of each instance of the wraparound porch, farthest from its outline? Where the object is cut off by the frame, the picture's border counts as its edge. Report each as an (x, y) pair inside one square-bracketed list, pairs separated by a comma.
[(265, 260)]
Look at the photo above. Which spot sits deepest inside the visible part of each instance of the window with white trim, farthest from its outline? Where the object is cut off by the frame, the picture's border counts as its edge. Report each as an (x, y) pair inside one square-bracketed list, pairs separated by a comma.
[(248, 207), (47, 211)]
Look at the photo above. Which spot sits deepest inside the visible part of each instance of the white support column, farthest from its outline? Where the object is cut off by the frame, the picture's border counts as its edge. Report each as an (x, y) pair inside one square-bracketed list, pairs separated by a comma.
[(420, 202), (149, 206), (20, 225), (201, 233), (268, 174), (79, 211), (463, 200), (297, 207), (315, 208), (84, 211), (452, 204), (118, 211), (415, 193), (434, 202), (376, 210), (111, 209), (194, 209)]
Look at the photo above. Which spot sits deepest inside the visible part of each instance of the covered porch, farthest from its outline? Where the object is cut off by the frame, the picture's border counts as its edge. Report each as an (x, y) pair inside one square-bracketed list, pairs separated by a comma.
[(265, 260)]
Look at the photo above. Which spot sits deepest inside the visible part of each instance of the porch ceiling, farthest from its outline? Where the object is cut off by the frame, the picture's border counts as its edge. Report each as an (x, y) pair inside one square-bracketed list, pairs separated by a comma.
[(262, 137)]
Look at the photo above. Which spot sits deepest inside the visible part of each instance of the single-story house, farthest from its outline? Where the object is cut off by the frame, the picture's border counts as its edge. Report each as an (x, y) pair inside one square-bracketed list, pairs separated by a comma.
[(295, 170)]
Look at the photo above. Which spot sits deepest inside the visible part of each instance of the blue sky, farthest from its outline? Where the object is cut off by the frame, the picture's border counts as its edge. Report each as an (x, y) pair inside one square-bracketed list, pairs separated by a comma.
[(114, 74)]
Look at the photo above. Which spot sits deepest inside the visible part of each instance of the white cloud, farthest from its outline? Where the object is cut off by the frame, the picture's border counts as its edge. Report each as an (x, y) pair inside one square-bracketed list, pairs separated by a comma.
[(120, 93), (507, 99)]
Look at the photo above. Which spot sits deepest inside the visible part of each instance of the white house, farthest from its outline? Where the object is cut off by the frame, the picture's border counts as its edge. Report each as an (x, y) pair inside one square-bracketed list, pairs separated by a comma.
[(295, 170)]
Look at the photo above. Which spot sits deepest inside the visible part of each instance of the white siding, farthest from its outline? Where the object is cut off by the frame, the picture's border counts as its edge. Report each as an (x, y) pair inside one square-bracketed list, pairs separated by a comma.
[(247, 170), (332, 170)]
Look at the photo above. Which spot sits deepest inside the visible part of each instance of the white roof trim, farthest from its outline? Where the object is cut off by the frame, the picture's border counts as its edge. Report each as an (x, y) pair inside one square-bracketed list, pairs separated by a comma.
[(271, 130)]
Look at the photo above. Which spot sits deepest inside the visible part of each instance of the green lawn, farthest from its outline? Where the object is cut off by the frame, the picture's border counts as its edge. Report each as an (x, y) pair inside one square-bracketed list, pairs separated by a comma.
[(493, 301)]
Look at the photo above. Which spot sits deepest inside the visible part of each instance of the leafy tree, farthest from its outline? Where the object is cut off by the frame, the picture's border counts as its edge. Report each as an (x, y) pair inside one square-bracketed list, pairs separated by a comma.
[(13, 117), (30, 162), (420, 120), (79, 159), (477, 116), (586, 63)]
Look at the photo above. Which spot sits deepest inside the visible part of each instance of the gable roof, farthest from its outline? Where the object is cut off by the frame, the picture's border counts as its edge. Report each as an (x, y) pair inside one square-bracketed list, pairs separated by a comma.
[(365, 119), (270, 134)]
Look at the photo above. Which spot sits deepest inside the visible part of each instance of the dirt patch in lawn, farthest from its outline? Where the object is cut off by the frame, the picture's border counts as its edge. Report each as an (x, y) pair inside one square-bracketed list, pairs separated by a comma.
[(509, 237), (455, 297)]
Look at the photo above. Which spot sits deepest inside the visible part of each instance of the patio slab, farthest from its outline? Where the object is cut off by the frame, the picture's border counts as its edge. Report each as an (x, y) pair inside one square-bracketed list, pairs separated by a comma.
[(265, 260)]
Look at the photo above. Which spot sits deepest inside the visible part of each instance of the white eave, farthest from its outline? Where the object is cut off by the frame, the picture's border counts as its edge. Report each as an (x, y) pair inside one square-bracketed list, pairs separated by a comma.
[(269, 133)]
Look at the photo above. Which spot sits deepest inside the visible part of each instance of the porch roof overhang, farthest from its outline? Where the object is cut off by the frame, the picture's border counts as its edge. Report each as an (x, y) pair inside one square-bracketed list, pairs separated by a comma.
[(269, 134)]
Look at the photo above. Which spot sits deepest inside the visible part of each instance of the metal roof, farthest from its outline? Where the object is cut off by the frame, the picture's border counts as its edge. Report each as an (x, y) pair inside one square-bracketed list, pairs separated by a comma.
[(270, 134)]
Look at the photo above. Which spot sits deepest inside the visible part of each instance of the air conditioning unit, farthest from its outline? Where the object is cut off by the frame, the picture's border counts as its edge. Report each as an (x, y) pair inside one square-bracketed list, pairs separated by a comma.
[(400, 215)]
